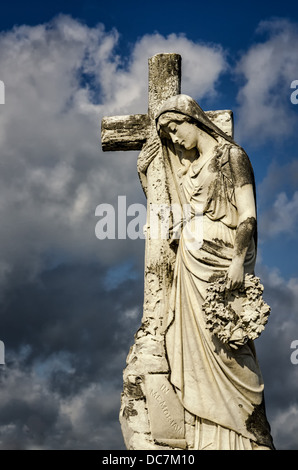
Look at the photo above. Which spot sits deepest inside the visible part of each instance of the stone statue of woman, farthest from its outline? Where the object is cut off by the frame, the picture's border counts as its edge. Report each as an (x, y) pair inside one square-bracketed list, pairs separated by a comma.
[(220, 383)]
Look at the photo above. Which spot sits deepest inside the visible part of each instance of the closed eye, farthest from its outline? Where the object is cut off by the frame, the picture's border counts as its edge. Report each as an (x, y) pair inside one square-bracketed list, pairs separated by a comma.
[(172, 128)]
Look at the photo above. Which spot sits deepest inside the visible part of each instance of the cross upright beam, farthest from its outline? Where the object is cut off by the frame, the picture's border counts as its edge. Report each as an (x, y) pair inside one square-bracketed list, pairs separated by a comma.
[(130, 132)]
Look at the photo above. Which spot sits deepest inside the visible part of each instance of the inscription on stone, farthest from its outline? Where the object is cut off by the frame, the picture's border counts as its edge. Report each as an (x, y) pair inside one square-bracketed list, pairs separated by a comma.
[(166, 414)]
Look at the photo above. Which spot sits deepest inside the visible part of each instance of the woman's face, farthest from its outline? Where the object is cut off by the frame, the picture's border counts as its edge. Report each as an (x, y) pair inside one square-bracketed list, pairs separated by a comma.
[(184, 134)]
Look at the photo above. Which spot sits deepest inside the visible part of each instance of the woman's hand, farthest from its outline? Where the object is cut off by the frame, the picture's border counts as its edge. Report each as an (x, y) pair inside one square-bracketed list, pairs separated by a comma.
[(235, 274)]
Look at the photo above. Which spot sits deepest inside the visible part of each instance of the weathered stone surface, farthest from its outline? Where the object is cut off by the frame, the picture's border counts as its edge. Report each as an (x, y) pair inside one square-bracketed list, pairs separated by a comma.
[(164, 79), (223, 119), (137, 416), (124, 132)]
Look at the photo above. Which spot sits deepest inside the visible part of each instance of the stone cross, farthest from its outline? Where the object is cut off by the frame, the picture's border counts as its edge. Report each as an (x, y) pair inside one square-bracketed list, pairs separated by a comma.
[(147, 357), (130, 132)]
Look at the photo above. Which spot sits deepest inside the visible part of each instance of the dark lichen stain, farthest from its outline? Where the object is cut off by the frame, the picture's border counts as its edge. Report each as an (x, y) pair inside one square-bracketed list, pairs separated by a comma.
[(133, 390), (241, 168), (129, 411), (215, 163), (216, 191), (223, 243), (245, 232), (214, 248), (233, 163), (258, 425), (169, 271), (215, 276)]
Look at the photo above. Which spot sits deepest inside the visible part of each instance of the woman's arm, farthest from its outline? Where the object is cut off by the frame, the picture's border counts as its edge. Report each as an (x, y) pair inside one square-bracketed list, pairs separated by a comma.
[(245, 230), (246, 207)]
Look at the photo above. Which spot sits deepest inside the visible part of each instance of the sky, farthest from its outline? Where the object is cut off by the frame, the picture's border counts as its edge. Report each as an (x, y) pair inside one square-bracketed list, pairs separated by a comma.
[(71, 303)]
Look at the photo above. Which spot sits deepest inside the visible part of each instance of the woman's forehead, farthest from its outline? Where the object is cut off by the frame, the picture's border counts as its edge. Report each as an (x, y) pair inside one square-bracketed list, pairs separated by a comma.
[(171, 117)]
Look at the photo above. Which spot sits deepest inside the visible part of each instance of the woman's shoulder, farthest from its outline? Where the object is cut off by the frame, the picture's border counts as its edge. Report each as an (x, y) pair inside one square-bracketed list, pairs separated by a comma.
[(240, 165), (237, 152)]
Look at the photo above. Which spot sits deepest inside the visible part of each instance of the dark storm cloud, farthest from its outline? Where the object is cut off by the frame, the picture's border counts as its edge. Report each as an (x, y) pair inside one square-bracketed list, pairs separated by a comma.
[(274, 352), (35, 417), (71, 345), (68, 309)]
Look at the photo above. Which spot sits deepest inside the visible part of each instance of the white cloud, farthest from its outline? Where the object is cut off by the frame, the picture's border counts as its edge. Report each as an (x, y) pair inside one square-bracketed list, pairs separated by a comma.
[(125, 89), (268, 69), (202, 64), (282, 217)]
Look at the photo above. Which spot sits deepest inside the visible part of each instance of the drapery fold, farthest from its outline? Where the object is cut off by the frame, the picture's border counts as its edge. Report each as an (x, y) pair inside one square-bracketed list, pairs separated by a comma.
[(213, 381)]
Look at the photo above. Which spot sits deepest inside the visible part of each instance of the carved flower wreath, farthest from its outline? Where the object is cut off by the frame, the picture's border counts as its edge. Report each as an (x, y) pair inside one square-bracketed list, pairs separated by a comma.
[(236, 316)]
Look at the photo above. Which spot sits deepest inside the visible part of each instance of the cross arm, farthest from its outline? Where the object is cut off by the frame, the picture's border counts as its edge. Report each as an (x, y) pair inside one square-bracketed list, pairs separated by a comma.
[(124, 132), (131, 132), (223, 119)]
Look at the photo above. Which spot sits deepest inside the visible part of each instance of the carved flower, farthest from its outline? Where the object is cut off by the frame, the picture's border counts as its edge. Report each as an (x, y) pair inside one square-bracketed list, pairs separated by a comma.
[(236, 323)]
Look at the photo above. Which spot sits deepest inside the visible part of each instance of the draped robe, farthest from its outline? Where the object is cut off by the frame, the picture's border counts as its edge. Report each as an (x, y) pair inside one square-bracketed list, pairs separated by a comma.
[(221, 386)]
